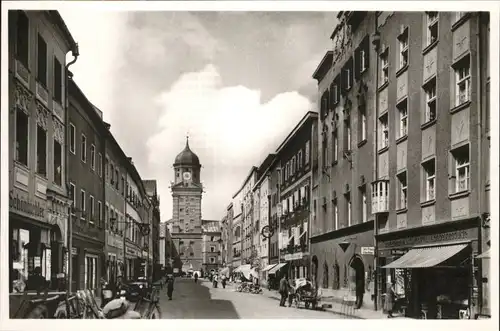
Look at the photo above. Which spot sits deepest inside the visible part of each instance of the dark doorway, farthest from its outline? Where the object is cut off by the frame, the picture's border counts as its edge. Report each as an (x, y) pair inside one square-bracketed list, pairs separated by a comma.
[(57, 278), (357, 269), (315, 270)]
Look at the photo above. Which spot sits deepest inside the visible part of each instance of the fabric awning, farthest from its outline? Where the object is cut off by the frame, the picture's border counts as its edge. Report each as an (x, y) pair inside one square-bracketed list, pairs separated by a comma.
[(276, 268), (269, 267), (425, 257), (484, 255)]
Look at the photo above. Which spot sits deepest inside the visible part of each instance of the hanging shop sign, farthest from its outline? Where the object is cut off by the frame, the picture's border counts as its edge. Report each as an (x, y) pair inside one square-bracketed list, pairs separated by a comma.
[(132, 251), (25, 205), (295, 256)]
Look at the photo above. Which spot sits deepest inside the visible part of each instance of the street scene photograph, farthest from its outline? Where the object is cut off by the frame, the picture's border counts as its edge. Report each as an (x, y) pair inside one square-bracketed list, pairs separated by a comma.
[(255, 164)]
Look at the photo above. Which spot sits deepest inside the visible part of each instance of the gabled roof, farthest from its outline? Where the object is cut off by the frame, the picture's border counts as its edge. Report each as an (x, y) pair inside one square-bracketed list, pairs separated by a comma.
[(324, 66), (56, 18), (303, 121)]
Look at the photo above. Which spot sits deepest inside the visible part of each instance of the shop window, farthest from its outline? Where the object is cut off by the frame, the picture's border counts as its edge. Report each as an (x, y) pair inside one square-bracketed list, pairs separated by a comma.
[(403, 191), (41, 151), (384, 66), (430, 100), (461, 163), (42, 61), (57, 162), (383, 122), (84, 149), (403, 117), (58, 86), (429, 169), (403, 48), (22, 137), (91, 272), (462, 81), (432, 19), (23, 38)]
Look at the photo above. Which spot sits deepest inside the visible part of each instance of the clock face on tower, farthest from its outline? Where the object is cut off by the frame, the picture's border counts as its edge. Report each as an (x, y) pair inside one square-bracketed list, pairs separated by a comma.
[(186, 176)]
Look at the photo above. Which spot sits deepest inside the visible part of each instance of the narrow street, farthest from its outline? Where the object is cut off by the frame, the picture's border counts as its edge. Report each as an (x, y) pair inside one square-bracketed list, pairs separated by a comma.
[(201, 301)]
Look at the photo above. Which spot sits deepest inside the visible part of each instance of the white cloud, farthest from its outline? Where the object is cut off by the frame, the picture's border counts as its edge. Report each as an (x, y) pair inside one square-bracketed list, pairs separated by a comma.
[(229, 128)]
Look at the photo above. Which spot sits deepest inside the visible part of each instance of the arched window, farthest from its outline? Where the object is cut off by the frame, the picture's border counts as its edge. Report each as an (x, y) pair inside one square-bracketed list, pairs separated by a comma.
[(325, 275), (336, 276)]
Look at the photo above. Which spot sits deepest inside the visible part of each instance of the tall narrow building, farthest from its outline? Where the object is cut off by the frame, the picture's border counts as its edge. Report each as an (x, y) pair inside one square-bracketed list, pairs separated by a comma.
[(186, 222)]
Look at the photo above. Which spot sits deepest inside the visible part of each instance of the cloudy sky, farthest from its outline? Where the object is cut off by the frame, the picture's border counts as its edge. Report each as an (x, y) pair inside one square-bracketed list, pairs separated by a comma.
[(238, 82)]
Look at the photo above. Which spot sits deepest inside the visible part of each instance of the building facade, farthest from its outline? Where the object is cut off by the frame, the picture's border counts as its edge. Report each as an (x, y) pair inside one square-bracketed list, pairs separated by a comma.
[(212, 246), (237, 230), (186, 220), (86, 187), (38, 196), (154, 246), (115, 209), (342, 240), (295, 158), (425, 77)]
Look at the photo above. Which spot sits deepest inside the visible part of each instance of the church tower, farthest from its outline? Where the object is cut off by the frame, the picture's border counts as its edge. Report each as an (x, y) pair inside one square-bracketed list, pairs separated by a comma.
[(187, 192)]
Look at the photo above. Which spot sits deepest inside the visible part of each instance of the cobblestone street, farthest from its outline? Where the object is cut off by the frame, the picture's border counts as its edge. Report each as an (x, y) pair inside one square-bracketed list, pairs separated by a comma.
[(201, 300)]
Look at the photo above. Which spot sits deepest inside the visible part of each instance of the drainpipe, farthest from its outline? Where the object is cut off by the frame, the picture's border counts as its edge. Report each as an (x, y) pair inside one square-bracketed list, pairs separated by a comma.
[(479, 68), (376, 45), (75, 53)]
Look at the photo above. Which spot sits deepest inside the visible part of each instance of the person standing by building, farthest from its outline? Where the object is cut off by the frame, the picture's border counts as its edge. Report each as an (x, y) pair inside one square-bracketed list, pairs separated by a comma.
[(196, 277), (170, 287), (283, 290), (389, 299), (223, 281)]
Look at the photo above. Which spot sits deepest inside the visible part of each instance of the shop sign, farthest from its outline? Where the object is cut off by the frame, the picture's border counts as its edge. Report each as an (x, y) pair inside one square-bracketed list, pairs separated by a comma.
[(114, 241), (397, 252), (25, 205), (74, 251), (456, 235), (368, 250), (294, 256), (132, 251)]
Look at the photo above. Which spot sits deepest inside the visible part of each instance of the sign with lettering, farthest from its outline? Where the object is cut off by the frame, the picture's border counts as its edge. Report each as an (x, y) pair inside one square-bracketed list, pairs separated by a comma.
[(132, 251), (114, 240), (456, 235), (295, 256), (368, 250), (25, 205), (398, 251)]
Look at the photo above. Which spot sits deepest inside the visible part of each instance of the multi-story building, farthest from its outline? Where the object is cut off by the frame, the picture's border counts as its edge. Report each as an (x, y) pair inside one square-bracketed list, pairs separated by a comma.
[(212, 244), (274, 253), (224, 228), (262, 191), (152, 194), (115, 211), (431, 190), (167, 248), (426, 80), (237, 231), (86, 133), (295, 157), (230, 236), (138, 222), (186, 222), (249, 253), (38, 197), (342, 241)]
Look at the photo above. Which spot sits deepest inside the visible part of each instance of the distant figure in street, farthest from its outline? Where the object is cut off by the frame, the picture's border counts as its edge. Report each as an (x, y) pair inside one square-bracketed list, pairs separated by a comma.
[(196, 277), (170, 287), (223, 281), (283, 290), (389, 299), (216, 279)]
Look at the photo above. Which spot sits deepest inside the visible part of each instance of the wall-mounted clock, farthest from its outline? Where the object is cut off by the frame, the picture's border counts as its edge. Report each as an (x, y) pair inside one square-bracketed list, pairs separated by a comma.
[(186, 176)]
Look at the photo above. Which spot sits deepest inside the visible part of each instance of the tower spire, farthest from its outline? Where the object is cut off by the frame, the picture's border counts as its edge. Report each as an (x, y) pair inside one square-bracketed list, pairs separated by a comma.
[(187, 139)]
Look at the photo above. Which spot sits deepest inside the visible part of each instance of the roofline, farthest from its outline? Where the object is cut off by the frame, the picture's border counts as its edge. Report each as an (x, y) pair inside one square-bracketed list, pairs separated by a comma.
[(88, 107), (252, 170), (321, 66), (309, 115), (59, 22)]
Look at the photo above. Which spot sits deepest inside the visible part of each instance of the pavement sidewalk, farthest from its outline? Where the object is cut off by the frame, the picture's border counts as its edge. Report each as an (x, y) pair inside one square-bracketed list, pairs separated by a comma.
[(335, 306)]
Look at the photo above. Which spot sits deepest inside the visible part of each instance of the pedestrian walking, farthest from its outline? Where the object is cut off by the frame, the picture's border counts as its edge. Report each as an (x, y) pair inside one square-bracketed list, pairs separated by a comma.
[(216, 279), (170, 287), (196, 277), (389, 299), (223, 281), (283, 290)]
